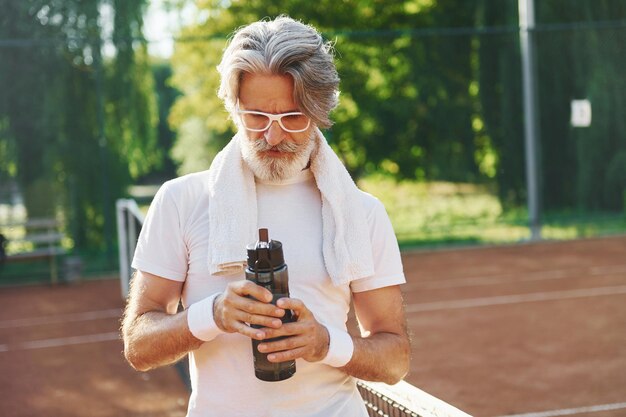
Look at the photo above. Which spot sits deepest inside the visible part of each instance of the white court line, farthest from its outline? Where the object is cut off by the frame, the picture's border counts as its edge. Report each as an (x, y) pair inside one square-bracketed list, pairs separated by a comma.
[(61, 318), (485, 280), (516, 298), (572, 411), (514, 277), (62, 341), (607, 269)]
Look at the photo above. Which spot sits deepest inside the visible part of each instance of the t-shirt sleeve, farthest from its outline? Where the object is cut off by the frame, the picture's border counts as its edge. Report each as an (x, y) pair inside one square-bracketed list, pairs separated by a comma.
[(161, 248), (385, 251)]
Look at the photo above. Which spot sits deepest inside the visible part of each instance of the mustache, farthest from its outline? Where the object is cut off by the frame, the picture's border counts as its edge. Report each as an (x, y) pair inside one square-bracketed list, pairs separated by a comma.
[(284, 146)]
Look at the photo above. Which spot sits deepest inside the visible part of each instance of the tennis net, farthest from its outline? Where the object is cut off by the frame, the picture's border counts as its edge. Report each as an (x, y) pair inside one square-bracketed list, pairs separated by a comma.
[(403, 400)]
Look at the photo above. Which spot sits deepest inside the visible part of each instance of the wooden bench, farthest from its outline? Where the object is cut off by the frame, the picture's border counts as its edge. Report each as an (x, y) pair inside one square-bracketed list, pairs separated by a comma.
[(33, 240)]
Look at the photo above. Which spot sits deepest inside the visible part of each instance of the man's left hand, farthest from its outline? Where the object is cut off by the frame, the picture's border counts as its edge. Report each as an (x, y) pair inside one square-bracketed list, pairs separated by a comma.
[(306, 337)]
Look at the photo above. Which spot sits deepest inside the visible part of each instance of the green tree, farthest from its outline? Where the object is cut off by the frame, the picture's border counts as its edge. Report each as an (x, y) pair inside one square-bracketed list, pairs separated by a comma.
[(500, 91), (580, 164), (162, 72), (29, 120), (580, 168), (82, 125), (432, 90), (398, 89)]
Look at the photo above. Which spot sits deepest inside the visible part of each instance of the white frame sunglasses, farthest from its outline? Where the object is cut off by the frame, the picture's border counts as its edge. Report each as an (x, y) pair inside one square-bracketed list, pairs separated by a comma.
[(273, 117)]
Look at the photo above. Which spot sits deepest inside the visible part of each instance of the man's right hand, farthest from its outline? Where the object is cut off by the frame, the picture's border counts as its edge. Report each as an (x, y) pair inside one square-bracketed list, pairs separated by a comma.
[(234, 311)]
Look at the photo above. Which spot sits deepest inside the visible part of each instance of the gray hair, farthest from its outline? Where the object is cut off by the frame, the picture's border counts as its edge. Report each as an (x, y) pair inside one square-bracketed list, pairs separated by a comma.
[(283, 46)]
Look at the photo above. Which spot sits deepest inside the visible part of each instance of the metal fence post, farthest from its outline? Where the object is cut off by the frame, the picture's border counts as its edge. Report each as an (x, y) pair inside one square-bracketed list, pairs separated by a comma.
[(531, 131)]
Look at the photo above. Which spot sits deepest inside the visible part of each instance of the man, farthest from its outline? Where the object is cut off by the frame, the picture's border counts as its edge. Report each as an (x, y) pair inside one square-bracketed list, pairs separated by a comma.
[(279, 84)]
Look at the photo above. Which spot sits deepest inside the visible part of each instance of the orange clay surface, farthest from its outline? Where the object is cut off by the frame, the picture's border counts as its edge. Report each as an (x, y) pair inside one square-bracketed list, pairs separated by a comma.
[(496, 331)]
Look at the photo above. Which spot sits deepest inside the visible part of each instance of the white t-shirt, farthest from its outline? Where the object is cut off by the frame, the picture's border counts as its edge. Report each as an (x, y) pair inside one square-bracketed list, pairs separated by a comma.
[(173, 244)]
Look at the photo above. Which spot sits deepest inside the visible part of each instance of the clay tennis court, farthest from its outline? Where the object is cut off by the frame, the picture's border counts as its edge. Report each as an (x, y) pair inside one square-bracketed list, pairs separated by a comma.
[(523, 329)]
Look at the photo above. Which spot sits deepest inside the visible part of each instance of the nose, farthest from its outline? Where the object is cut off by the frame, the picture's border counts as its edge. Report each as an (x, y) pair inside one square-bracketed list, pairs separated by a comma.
[(274, 134)]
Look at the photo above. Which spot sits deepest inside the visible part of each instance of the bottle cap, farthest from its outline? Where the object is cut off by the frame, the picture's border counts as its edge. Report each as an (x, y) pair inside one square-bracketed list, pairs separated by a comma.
[(265, 255)]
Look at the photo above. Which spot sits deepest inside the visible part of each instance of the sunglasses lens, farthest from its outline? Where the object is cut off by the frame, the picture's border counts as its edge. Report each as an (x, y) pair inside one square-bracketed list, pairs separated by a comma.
[(258, 122), (255, 121), (295, 122)]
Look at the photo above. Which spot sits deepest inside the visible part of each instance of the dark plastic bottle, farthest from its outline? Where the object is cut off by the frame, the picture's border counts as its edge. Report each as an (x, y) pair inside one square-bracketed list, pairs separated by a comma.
[(267, 268)]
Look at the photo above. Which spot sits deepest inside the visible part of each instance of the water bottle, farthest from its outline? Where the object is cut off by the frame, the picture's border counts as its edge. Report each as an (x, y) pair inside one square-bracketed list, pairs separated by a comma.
[(267, 268)]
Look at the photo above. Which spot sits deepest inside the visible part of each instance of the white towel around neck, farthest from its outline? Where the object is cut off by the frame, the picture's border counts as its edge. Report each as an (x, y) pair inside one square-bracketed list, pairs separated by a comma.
[(346, 246)]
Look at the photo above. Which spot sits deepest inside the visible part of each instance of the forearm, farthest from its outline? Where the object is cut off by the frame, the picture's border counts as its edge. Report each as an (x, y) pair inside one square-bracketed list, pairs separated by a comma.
[(382, 357), (156, 338)]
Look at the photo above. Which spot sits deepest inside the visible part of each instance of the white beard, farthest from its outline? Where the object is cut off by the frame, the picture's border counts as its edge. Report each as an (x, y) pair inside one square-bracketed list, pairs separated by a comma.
[(272, 169)]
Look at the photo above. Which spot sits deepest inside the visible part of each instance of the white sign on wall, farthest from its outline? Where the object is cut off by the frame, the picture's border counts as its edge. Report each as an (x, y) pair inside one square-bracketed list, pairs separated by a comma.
[(581, 113)]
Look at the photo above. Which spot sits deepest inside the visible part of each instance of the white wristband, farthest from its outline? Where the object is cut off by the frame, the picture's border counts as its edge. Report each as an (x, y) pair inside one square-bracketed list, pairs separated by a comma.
[(340, 348), (200, 319)]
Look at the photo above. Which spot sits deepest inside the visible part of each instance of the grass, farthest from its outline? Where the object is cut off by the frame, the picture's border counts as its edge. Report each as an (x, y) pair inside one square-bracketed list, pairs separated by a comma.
[(426, 215), (449, 214), (95, 265)]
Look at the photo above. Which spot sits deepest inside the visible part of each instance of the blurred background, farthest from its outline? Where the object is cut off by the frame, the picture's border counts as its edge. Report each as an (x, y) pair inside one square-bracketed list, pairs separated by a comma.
[(478, 123), (107, 99)]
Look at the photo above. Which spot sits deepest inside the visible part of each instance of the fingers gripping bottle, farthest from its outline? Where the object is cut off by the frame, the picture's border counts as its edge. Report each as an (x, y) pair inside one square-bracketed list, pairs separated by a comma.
[(267, 268)]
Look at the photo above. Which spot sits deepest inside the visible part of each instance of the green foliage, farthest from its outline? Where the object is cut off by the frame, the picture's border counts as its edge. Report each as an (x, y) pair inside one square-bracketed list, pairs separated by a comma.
[(79, 126), (28, 117), (579, 164), (198, 116), (500, 107), (397, 89), (431, 91), (424, 211), (444, 214), (616, 174), (166, 95), (421, 102)]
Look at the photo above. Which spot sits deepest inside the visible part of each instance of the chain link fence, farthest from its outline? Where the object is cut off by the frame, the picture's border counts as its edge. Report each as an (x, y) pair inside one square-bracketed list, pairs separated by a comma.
[(439, 134)]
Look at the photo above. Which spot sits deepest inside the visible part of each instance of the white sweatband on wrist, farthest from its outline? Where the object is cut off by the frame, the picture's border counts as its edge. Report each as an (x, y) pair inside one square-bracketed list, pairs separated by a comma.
[(340, 348), (200, 319)]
